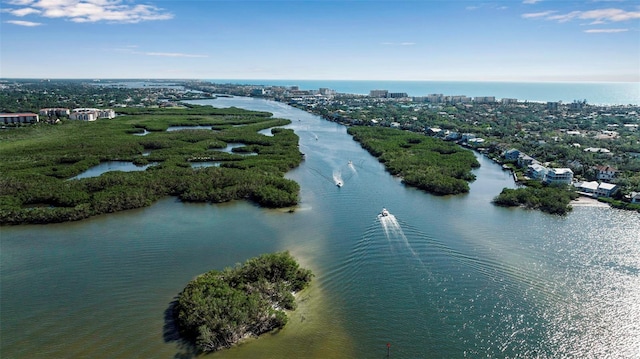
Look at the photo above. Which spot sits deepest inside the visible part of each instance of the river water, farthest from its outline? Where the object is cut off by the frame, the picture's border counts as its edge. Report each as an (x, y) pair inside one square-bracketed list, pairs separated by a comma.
[(440, 277)]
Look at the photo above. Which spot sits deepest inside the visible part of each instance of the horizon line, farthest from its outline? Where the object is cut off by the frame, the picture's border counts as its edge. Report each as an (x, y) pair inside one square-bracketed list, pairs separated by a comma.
[(306, 79)]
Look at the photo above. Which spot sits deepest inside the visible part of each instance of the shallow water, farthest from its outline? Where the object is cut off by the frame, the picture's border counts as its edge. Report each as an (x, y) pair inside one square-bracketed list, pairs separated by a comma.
[(108, 166)]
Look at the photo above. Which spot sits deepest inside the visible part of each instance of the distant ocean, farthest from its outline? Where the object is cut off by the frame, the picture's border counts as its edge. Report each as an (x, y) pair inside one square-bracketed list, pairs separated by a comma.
[(596, 93)]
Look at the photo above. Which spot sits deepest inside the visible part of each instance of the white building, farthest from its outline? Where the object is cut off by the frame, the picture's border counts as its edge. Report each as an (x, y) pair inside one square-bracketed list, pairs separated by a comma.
[(57, 111), (536, 171), (606, 173), (484, 99), (558, 176), (587, 187), (378, 93), (606, 190), (8, 118), (83, 116), (91, 114)]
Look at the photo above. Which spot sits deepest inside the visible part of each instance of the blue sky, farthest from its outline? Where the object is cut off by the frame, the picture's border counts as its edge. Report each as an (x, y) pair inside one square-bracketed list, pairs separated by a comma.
[(516, 40)]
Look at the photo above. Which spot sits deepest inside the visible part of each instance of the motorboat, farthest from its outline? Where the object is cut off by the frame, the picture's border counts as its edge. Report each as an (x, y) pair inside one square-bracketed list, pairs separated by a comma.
[(384, 212), (339, 183)]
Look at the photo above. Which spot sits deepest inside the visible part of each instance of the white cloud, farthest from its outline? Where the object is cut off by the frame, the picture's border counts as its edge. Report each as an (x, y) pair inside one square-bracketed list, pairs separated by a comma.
[(23, 12), (599, 16), (531, 1), (23, 23), (535, 15), (116, 11), (20, 2), (605, 31)]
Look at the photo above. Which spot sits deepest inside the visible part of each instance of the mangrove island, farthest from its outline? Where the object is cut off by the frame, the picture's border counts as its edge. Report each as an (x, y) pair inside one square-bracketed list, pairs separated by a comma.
[(219, 308)]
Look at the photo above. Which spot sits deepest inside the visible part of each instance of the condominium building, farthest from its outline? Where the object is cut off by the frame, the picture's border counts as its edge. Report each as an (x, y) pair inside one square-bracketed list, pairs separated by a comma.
[(9, 118), (57, 111), (91, 114), (379, 93)]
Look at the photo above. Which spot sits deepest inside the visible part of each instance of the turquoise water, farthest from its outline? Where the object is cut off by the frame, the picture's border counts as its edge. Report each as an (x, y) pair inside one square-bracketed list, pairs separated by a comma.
[(442, 277), (602, 93)]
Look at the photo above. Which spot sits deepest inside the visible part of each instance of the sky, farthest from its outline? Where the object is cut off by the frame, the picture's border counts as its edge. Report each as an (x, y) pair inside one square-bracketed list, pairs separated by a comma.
[(445, 40)]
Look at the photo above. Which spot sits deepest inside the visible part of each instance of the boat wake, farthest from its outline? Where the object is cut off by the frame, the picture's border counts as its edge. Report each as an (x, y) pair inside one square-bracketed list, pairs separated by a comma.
[(352, 167), (337, 178), (393, 231)]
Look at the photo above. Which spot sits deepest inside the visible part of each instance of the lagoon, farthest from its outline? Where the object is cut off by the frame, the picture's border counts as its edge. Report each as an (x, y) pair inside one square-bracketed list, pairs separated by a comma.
[(108, 166)]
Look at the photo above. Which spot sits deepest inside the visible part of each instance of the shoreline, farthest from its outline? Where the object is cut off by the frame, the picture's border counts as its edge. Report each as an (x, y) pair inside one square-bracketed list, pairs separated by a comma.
[(584, 201)]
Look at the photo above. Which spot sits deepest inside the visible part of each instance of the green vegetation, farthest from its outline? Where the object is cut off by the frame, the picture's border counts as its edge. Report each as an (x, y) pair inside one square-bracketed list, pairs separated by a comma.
[(620, 204), (38, 163), (217, 309), (429, 164), (549, 199), (30, 95)]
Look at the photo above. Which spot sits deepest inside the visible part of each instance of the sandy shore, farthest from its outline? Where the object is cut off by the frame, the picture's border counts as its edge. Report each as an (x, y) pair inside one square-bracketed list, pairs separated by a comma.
[(587, 201)]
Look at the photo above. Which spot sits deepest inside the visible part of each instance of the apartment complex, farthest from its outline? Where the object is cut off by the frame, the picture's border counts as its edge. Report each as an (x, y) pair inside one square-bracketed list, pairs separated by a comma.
[(91, 114), (10, 118)]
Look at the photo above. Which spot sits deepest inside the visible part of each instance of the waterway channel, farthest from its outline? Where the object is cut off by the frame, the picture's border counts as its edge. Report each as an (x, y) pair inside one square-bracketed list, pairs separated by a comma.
[(441, 277)]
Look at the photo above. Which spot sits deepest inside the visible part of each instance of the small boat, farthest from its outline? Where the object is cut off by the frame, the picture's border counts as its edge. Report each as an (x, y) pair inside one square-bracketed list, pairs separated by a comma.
[(339, 183), (384, 212)]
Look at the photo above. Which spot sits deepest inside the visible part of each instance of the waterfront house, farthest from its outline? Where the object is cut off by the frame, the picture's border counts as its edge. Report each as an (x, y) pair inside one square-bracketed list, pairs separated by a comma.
[(606, 173), (536, 171), (596, 189), (606, 190), (512, 154), (525, 160), (467, 136), (588, 188), (558, 176), (452, 136), (433, 131), (475, 142)]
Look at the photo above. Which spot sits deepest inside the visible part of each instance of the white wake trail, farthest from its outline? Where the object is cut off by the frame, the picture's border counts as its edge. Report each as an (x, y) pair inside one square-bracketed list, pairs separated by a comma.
[(393, 231)]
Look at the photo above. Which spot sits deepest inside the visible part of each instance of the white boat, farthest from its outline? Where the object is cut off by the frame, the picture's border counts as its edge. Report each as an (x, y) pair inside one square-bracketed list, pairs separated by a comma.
[(339, 183), (384, 212)]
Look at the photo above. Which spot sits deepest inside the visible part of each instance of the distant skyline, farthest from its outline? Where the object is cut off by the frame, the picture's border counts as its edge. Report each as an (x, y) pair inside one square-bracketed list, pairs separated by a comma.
[(530, 40)]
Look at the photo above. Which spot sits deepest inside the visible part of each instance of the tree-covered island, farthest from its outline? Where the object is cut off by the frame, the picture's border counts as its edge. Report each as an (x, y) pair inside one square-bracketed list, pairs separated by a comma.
[(38, 162), (548, 199), (429, 164), (219, 308)]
